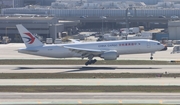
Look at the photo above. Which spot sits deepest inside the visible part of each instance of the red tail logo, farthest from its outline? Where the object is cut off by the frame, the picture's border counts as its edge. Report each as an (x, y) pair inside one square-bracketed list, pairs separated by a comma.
[(31, 39)]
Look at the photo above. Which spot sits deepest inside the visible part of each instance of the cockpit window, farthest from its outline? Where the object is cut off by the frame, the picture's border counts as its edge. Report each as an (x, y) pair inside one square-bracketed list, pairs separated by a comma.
[(158, 43)]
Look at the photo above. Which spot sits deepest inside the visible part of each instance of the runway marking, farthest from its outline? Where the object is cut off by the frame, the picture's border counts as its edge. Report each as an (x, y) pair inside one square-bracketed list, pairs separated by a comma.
[(160, 101), (35, 83), (80, 102), (39, 102), (98, 83), (120, 101)]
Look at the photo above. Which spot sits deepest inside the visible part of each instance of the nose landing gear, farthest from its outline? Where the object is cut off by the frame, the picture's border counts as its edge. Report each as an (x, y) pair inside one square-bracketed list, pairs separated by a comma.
[(151, 56)]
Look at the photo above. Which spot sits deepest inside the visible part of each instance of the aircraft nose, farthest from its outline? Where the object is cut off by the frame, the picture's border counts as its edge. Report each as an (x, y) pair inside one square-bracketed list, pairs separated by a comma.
[(164, 48)]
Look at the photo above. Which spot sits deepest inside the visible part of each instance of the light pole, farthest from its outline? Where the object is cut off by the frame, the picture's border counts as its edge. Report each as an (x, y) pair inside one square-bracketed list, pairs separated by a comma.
[(12, 3), (128, 14), (103, 17)]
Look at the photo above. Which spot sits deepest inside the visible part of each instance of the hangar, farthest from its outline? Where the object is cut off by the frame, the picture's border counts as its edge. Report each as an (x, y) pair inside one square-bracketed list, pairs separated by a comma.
[(43, 26)]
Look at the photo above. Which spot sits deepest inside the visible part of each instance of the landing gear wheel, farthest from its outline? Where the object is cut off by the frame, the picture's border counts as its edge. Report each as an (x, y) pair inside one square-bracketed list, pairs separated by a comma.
[(151, 58), (90, 62), (93, 61), (87, 63)]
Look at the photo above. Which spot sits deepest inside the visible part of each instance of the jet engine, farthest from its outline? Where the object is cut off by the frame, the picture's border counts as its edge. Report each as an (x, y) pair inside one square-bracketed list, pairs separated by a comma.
[(109, 55)]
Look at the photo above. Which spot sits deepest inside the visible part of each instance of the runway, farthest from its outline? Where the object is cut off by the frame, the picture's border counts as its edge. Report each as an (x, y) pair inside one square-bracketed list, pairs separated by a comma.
[(92, 82), (89, 98), (9, 51), (89, 69)]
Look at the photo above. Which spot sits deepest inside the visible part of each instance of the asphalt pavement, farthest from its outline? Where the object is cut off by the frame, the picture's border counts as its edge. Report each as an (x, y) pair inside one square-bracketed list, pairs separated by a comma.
[(89, 98), (89, 69), (92, 82)]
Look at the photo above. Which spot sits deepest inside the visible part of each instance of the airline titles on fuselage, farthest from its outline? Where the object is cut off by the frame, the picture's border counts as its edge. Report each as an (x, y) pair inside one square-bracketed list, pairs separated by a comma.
[(120, 44)]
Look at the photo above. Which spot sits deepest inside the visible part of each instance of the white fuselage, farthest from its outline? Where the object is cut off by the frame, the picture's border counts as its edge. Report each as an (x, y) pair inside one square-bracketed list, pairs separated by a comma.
[(121, 46)]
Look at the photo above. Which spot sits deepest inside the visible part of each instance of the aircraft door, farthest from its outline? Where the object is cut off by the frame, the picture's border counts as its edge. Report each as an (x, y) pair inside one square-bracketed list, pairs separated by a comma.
[(148, 44)]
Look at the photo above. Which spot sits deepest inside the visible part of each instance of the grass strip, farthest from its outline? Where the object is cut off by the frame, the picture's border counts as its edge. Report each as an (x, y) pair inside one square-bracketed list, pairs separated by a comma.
[(173, 89), (81, 62), (83, 75)]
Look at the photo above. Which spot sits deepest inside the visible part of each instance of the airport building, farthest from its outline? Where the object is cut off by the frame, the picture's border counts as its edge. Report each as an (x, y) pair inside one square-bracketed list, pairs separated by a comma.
[(174, 30), (148, 2), (46, 27), (91, 12), (22, 3), (95, 8), (6, 4)]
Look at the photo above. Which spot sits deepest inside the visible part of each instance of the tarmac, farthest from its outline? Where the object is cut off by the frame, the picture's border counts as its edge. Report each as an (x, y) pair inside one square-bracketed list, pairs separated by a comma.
[(90, 69), (92, 82), (9, 51), (89, 98)]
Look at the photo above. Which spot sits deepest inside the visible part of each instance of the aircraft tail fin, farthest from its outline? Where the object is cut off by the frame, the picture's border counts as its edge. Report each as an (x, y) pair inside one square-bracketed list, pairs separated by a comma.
[(28, 38)]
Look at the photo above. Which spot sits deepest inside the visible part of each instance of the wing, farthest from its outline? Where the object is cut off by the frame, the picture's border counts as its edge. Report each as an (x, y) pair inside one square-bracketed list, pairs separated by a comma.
[(85, 52)]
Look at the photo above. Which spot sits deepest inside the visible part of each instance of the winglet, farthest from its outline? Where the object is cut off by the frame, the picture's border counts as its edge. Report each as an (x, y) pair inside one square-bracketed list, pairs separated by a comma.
[(28, 38)]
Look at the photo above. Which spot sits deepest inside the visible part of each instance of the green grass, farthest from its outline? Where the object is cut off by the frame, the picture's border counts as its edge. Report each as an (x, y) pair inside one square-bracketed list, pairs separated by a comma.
[(84, 75), (172, 89)]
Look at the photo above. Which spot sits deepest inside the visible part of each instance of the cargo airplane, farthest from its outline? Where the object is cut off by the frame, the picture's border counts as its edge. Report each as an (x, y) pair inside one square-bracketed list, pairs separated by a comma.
[(108, 50)]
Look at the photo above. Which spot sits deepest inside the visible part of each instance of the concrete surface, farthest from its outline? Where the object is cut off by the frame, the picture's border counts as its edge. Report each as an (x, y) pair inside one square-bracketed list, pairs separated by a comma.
[(89, 69), (89, 98), (92, 82)]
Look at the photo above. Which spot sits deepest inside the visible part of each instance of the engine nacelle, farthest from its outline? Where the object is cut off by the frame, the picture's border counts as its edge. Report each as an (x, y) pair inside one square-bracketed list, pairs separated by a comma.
[(109, 55)]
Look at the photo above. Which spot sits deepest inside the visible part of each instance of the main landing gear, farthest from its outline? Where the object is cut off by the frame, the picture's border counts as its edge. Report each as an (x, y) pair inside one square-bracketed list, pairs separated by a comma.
[(91, 60), (151, 56)]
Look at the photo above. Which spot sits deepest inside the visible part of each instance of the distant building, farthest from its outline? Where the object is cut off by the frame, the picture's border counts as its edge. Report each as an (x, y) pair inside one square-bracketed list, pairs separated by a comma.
[(91, 12), (18, 3), (46, 27), (6, 3), (148, 2), (174, 30), (22, 3)]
